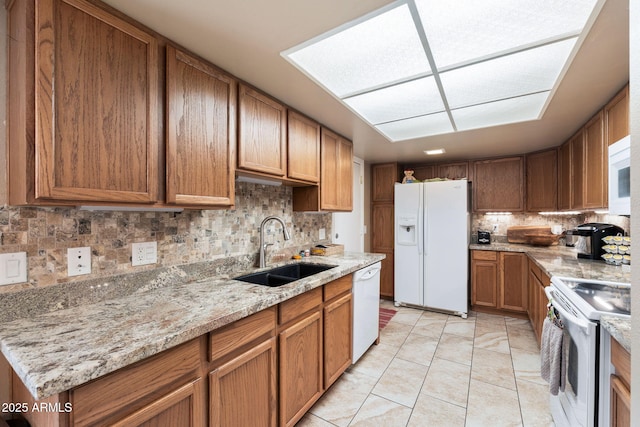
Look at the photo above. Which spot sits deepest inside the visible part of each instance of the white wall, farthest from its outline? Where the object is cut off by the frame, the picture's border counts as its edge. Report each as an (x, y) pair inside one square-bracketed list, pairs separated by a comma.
[(634, 121), (3, 104)]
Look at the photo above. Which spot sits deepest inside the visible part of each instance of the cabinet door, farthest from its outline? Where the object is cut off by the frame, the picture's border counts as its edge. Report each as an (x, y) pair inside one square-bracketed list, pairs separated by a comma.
[(261, 133), (243, 390), (387, 275), (454, 170), (616, 117), (513, 281), (338, 325), (300, 358), (564, 176), (180, 408), (382, 221), (498, 185), (336, 178), (423, 172), (201, 132), (96, 105), (542, 181), (383, 179), (595, 163), (620, 403), (484, 283), (303, 148), (577, 170)]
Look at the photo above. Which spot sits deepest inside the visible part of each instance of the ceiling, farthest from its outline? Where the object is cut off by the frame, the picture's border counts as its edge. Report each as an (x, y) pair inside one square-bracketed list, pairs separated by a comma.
[(246, 37)]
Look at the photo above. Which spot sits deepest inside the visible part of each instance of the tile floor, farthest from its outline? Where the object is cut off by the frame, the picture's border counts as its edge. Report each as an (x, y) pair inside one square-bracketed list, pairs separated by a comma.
[(431, 369)]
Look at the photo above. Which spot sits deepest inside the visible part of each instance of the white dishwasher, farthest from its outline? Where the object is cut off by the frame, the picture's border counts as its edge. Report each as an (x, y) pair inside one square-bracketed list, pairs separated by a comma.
[(366, 309)]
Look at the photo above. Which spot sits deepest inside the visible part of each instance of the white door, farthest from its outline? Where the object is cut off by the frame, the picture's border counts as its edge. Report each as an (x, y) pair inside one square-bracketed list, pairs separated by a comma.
[(348, 227)]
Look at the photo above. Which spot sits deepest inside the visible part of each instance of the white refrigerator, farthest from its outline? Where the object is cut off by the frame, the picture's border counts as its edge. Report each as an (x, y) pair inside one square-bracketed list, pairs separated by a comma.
[(432, 245)]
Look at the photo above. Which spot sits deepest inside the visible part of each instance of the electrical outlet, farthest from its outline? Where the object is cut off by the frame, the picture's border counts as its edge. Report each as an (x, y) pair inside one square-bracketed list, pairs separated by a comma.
[(144, 253), (322, 234), (13, 268), (495, 228), (78, 261)]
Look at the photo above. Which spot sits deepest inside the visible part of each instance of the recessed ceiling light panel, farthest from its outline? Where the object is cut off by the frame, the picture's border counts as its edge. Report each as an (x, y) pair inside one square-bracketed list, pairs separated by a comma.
[(374, 52), (495, 62), (467, 29), (433, 124), (512, 110), (414, 98), (533, 70)]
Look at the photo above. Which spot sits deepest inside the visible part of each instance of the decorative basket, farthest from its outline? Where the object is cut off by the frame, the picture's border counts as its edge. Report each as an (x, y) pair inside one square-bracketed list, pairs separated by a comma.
[(328, 249)]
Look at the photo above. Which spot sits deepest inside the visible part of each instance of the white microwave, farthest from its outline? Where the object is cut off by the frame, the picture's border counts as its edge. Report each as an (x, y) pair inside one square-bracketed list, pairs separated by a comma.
[(619, 177)]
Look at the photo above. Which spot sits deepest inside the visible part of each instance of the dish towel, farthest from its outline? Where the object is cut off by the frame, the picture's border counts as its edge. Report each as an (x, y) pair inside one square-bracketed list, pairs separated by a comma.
[(553, 367)]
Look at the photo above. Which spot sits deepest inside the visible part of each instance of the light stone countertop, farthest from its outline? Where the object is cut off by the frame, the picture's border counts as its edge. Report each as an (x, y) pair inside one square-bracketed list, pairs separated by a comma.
[(563, 261), (619, 329), (56, 351)]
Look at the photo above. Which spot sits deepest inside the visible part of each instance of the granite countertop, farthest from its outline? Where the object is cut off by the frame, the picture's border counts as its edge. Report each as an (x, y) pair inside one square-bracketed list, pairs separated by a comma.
[(563, 261), (56, 351), (619, 329)]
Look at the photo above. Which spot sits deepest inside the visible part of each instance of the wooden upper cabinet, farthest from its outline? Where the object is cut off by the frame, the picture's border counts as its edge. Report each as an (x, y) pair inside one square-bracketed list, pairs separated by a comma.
[(564, 176), (423, 172), (201, 132), (577, 170), (458, 170), (261, 133), (616, 117), (383, 179), (96, 105), (303, 148), (498, 185), (336, 188), (542, 181), (595, 163)]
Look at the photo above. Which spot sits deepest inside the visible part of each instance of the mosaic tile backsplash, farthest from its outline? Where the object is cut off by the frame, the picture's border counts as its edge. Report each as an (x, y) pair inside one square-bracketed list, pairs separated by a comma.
[(183, 238)]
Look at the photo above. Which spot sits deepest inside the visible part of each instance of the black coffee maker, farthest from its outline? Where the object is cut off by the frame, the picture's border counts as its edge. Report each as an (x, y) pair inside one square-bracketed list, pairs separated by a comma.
[(589, 245)]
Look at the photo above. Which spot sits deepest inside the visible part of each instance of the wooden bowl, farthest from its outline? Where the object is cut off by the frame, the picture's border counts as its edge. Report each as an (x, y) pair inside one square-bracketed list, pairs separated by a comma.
[(542, 239)]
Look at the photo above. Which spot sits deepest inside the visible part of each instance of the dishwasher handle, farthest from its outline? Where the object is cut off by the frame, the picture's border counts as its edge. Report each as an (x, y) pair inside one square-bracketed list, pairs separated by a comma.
[(367, 273)]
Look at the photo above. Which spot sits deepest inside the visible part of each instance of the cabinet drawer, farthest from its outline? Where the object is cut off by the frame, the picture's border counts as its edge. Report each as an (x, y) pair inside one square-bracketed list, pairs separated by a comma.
[(485, 255), (133, 387), (337, 287), (237, 334), (294, 307), (536, 271), (621, 359)]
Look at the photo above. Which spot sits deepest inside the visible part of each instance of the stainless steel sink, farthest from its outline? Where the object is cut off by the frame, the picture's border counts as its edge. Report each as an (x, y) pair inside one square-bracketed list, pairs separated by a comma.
[(286, 274)]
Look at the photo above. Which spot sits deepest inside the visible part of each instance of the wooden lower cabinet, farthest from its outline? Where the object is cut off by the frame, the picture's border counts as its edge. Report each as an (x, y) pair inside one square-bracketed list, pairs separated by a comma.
[(267, 370), (242, 392), (157, 391), (180, 408), (484, 279), (300, 367), (337, 338), (498, 281), (620, 386), (537, 304)]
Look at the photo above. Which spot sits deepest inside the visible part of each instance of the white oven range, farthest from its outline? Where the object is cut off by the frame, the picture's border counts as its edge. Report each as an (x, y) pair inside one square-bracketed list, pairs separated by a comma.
[(579, 303)]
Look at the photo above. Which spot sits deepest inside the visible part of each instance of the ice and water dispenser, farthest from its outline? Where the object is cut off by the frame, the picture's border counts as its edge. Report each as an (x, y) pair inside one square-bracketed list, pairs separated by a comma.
[(407, 233)]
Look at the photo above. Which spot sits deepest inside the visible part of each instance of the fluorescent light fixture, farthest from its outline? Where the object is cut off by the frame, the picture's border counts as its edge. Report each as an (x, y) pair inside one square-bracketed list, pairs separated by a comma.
[(128, 209), (605, 212), (499, 213), (416, 68), (564, 213), (262, 181), (434, 152)]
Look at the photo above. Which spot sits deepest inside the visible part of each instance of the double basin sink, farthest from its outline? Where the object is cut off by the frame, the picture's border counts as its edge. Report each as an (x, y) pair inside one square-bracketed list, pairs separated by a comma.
[(279, 276)]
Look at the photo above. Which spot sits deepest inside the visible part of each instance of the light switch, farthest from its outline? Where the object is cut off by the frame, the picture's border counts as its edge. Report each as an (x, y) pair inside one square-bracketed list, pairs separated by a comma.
[(13, 268), (322, 234)]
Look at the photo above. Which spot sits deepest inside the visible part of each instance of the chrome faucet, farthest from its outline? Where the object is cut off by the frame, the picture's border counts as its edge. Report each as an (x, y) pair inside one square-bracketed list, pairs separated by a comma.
[(263, 245)]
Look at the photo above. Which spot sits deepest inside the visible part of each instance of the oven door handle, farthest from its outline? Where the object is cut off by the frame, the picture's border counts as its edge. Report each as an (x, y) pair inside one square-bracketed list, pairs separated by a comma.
[(564, 314)]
